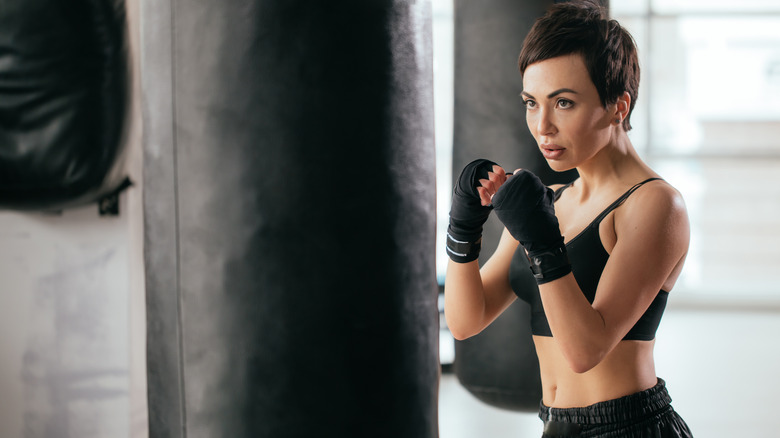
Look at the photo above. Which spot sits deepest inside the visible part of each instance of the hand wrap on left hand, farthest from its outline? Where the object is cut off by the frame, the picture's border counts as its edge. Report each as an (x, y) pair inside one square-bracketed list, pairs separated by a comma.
[(525, 206), (467, 214)]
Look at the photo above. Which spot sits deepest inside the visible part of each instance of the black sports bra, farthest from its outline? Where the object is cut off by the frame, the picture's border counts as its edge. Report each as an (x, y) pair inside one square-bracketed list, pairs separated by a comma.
[(588, 259)]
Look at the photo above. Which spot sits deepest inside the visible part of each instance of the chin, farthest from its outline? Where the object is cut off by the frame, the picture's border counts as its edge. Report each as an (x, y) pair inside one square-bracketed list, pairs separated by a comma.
[(559, 165)]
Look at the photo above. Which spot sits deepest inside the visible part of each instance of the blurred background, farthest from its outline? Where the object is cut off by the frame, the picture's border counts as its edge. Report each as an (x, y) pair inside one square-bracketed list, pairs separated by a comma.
[(72, 293), (708, 120)]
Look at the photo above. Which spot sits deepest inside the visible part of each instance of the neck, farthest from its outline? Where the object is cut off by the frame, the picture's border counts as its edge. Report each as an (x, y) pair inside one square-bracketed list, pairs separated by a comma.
[(616, 164)]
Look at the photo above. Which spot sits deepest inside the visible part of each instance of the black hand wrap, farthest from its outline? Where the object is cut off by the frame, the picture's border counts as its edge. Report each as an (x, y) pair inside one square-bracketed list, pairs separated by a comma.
[(525, 206), (467, 214)]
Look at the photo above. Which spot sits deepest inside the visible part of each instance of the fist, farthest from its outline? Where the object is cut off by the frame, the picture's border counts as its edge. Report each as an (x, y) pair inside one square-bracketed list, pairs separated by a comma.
[(489, 185), (525, 206)]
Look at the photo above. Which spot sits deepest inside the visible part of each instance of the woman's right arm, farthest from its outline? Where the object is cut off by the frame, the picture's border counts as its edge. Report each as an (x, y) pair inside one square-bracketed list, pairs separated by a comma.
[(474, 297)]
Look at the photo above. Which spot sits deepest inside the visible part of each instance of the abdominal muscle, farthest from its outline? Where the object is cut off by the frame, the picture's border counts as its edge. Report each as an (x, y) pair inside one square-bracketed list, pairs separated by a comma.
[(627, 369)]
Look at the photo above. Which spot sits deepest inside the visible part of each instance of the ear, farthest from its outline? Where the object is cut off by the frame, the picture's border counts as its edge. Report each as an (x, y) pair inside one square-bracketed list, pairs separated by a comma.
[(621, 108)]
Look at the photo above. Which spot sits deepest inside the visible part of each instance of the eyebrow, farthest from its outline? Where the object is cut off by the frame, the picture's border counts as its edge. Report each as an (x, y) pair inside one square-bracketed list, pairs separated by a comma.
[(553, 94)]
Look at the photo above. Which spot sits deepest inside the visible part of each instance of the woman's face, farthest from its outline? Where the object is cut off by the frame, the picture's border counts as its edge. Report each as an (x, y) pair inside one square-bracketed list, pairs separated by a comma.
[(564, 111)]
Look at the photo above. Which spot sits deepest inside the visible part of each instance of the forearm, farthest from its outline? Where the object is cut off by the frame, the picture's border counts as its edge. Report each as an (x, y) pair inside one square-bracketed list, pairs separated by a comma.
[(474, 297), (464, 299), (578, 328)]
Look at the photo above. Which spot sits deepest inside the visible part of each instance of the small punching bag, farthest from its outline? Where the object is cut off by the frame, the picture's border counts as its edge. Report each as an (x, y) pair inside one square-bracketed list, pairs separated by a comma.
[(499, 366), (289, 218), (63, 85)]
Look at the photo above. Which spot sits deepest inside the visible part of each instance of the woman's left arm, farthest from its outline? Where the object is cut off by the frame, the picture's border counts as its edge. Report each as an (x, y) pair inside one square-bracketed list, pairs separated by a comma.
[(652, 233)]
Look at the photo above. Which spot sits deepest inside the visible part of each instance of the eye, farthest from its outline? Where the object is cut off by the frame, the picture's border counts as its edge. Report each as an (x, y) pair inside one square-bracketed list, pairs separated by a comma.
[(529, 103), (564, 103)]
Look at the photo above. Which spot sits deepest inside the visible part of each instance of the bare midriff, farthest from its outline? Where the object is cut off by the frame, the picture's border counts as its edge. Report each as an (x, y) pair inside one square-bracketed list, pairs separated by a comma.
[(627, 369)]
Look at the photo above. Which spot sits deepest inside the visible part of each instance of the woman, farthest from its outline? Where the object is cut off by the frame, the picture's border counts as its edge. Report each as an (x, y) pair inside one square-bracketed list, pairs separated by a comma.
[(605, 250)]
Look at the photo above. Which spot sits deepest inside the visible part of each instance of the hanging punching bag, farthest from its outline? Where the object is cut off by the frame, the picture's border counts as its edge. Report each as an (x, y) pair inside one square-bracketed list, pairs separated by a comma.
[(289, 218), (499, 366), (62, 102)]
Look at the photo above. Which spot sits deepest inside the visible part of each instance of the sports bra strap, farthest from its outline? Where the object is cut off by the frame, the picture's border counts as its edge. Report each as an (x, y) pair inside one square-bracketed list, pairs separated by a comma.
[(621, 200), (557, 194), (612, 206)]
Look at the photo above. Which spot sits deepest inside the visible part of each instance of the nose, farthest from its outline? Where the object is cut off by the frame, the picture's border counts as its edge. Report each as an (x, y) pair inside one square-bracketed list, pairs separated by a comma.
[(544, 124)]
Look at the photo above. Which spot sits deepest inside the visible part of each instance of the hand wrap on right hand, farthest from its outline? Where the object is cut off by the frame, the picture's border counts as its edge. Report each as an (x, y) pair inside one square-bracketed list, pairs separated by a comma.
[(467, 214), (525, 206)]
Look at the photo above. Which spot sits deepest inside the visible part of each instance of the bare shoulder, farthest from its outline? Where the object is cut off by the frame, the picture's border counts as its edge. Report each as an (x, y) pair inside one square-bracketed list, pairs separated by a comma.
[(656, 211), (658, 197)]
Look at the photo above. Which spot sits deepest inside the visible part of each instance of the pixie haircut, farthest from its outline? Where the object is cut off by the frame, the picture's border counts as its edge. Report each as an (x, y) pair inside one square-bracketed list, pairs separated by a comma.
[(583, 27)]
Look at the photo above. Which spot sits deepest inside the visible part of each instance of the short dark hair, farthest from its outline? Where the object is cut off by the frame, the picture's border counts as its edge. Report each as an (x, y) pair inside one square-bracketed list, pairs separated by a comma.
[(607, 48)]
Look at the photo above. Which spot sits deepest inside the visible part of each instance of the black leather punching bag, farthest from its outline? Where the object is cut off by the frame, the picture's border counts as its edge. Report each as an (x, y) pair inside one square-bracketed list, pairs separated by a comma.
[(289, 218), (62, 101), (499, 366)]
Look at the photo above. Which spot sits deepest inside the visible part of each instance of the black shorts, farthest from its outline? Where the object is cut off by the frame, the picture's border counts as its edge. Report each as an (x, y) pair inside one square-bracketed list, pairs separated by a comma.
[(647, 413)]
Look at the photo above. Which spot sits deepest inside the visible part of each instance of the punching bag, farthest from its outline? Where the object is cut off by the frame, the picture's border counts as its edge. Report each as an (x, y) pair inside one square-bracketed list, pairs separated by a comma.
[(63, 85), (289, 218), (499, 366)]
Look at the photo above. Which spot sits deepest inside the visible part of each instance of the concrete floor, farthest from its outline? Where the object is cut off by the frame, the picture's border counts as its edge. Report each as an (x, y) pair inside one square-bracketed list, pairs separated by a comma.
[(720, 367)]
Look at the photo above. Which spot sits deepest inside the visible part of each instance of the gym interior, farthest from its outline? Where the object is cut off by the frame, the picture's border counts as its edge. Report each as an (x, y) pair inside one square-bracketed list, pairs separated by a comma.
[(256, 248)]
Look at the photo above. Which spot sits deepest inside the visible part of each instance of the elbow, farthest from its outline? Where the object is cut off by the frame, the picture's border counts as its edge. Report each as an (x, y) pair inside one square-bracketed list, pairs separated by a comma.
[(581, 367), (459, 336), (583, 361), (458, 332), (458, 329), (583, 353)]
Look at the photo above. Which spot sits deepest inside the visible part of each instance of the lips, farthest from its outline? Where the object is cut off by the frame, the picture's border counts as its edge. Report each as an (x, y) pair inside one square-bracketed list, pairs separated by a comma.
[(552, 152)]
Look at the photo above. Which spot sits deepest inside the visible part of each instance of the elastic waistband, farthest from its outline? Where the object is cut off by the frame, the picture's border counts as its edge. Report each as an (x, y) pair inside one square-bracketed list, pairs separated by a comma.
[(630, 408)]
